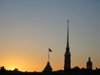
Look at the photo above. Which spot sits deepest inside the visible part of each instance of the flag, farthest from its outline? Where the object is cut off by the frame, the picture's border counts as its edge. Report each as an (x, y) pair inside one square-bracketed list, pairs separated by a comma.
[(50, 50)]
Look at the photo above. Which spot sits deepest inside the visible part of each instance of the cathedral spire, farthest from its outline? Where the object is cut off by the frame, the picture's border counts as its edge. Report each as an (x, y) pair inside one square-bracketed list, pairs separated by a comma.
[(67, 64), (67, 34)]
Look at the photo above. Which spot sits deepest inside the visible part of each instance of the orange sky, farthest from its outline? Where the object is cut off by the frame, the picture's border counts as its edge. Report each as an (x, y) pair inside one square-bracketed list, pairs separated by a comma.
[(29, 27)]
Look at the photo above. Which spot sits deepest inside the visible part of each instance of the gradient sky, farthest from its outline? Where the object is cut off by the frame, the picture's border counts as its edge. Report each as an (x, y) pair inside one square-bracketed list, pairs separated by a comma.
[(29, 27)]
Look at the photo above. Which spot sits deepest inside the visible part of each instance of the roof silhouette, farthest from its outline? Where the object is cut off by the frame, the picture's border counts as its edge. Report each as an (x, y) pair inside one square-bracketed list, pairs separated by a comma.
[(48, 68)]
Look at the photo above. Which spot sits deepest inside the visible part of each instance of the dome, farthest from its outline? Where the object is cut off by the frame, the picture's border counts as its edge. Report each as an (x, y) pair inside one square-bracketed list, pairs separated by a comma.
[(89, 62), (48, 68)]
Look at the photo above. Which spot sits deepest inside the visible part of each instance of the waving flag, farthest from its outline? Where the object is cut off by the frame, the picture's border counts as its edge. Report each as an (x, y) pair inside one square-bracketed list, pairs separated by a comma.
[(50, 50)]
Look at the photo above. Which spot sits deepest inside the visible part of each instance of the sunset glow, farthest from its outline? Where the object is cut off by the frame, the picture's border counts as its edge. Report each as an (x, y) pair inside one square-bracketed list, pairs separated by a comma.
[(29, 27)]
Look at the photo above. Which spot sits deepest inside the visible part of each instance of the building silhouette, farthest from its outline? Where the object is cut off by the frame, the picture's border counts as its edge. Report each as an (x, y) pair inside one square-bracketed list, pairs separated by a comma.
[(67, 61), (48, 68), (67, 66), (89, 64)]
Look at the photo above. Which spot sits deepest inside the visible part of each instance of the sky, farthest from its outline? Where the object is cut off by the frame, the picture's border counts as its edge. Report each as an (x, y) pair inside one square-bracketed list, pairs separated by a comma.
[(29, 27)]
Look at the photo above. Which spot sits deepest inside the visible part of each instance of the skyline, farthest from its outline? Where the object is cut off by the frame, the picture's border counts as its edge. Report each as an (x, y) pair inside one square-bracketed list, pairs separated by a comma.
[(28, 28)]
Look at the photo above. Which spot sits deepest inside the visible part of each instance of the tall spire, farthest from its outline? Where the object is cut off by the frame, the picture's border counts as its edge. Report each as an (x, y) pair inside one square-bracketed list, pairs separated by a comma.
[(67, 64), (67, 33)]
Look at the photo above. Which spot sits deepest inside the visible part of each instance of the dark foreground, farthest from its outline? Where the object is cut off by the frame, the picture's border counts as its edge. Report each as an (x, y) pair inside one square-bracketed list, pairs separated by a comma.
[(72, 72)]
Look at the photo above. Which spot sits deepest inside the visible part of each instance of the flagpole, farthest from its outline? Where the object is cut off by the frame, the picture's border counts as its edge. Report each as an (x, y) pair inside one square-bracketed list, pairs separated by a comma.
[(49, 50), (48, 55)]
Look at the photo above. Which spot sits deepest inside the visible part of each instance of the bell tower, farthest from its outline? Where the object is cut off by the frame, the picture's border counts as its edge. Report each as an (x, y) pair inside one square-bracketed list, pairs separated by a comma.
[(67, 61)]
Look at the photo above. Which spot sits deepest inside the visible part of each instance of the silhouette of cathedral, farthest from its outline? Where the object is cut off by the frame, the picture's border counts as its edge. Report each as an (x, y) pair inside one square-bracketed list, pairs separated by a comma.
[(67, 62), (89, 64)]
